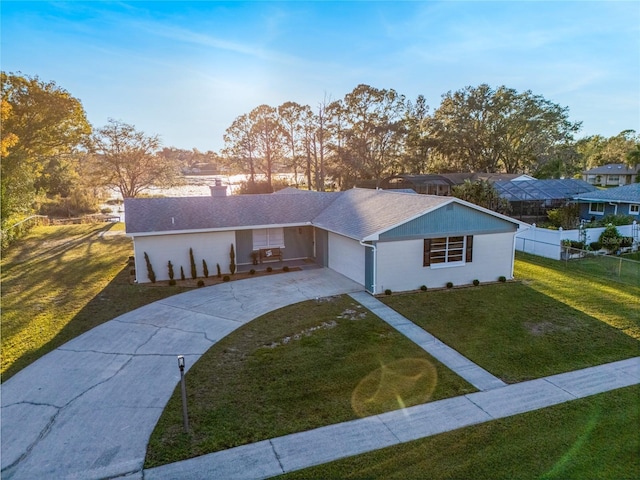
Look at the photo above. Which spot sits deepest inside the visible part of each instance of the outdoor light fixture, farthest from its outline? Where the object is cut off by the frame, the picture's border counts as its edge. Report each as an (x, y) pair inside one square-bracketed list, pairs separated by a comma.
[(183, 388)]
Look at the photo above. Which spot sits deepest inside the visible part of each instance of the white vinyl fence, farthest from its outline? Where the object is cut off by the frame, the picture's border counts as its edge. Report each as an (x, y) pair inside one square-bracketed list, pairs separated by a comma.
[(548, 243)]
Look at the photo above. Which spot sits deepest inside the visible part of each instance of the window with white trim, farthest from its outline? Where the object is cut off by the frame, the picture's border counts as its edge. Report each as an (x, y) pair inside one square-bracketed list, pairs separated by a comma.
[(448, 251), (268, 238), (634, 209), (597, 208)]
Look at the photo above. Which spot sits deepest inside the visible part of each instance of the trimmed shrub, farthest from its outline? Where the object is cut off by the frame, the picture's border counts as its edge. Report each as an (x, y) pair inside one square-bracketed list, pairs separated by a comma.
[(577, 245), (182, 277), (172, 282), (252, 272), (449, 284), (200, 283), (595, 246), (150, 273), (615, 220), (285, 269), (502, 278), (192, 260), (170, 267), (269, 269), (232, 257), (205, 268), (423, 288), (610, 238), (476, 282), (226, 278), (626, 242), (219, 271), (388, 292)]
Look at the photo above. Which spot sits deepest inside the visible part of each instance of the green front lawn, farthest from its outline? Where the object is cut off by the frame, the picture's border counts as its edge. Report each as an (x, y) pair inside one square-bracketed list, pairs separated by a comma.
[(294, 369), (515, 331), (591, 438)]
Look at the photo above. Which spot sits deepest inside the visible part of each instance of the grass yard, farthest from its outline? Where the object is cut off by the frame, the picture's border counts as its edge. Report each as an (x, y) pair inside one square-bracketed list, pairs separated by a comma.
[(591, 438), (616, 304), (518, 332), (319, 363), (59, 282), (294, 369)]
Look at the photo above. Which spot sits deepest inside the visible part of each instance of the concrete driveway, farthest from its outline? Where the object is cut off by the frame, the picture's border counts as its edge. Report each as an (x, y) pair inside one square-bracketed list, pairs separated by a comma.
[(87, 409)]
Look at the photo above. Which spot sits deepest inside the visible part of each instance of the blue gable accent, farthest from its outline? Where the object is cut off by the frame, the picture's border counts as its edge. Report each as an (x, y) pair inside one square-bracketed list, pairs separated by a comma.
[(450, 219)]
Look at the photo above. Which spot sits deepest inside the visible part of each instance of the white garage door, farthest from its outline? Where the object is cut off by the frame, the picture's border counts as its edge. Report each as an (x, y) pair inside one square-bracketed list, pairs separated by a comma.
[(346, 256)]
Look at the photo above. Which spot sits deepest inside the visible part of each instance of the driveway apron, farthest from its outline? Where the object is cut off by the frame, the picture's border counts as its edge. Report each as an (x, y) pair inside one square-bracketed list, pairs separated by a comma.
[(86, 410)]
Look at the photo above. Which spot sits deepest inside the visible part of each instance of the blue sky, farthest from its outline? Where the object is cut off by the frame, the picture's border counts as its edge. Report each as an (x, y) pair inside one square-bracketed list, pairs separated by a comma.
[(186, 70)]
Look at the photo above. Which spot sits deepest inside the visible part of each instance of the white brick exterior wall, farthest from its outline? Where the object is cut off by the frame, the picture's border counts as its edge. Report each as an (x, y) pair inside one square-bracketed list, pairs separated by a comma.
[(399, 264), (212, 247)]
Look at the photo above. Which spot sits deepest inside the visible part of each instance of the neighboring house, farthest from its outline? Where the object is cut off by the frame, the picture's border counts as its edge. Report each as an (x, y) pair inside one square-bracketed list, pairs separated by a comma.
[(612, 175), (380, 239), (612, 201)]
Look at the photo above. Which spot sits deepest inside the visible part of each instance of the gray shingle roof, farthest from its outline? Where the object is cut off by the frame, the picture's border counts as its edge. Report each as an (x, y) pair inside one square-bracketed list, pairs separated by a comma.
[(361, 212), (625, 194), (146, 215), (613, 169), (356, 213)]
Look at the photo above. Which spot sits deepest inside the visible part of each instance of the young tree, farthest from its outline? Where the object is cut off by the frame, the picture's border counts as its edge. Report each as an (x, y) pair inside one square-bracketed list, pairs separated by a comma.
[(125, 159)]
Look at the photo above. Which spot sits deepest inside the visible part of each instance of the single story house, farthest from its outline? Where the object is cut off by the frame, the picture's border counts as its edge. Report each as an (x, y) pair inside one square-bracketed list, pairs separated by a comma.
[(612, 175), (623, 200), (380, 239)]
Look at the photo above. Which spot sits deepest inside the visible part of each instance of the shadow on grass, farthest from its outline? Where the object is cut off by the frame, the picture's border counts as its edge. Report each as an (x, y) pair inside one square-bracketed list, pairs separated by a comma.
[(118, 297)]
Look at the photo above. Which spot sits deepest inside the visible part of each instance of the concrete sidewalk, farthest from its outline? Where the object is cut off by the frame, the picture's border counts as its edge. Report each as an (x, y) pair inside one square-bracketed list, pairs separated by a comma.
[(472, 373), (87, 409), (280, 455)]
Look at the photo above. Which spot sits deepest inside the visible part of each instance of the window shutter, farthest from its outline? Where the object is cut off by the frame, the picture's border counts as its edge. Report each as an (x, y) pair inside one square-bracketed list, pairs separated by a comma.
[(426, 261), (469, 252)]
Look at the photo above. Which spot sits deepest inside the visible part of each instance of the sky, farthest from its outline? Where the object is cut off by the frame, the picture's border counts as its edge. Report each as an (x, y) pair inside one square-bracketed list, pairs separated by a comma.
[(186, 70)]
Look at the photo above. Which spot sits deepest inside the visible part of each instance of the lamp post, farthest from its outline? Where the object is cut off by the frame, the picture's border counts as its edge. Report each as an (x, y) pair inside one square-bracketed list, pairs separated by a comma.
[(183, 387)]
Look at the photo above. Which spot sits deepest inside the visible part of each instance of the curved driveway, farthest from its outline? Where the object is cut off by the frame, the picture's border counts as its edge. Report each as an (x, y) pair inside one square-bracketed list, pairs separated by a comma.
[(87, 409)]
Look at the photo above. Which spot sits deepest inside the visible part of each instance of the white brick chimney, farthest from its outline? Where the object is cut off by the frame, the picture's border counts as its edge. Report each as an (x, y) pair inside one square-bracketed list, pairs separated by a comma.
[(218, 190)]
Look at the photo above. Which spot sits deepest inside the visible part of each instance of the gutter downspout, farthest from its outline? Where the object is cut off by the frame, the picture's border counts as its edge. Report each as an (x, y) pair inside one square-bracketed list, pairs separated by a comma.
[(373, 284), (614, 204)]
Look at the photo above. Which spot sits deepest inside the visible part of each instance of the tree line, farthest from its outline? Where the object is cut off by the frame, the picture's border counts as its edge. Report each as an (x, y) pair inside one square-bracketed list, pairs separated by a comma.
[(52, 158)]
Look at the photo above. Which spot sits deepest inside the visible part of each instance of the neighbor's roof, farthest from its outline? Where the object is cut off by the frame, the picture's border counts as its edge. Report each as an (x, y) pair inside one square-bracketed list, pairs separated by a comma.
[(625, 194), (534, 190), (613, 169), (357, 213)]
